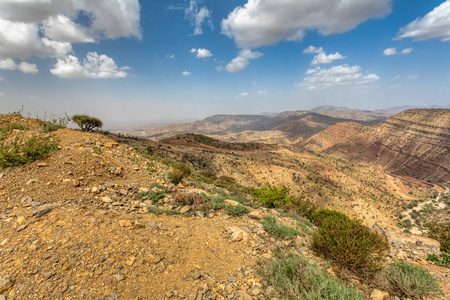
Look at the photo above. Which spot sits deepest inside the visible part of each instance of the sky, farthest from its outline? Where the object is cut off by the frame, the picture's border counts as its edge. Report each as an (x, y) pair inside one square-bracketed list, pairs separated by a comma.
[(132, 62)]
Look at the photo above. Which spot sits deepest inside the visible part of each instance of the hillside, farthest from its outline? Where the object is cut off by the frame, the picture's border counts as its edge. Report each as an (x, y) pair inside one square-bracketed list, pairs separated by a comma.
[(414, 143), (100, 217), (286, 127)]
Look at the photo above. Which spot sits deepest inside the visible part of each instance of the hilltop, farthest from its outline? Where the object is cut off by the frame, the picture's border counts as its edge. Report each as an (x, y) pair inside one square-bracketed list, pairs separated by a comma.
[(102, 216), (414, 143)]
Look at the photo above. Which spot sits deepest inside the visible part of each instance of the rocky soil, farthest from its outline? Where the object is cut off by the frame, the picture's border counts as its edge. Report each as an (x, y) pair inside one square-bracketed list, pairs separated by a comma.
[(75, 225)]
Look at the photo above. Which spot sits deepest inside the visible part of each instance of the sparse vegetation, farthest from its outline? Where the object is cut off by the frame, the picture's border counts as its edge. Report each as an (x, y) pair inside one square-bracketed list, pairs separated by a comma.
[(54, 122), (236, 210), (441, 233), (411, 281), (19, 154), (294, 277), (281, 231), (87, 123), (442, 259), (272, 197), (347, 242), (158, 211)]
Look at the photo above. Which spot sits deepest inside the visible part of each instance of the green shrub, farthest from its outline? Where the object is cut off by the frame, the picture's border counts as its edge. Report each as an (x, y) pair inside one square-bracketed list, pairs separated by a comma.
[(55, 123), (87, 123), (158, 211), (442, 259), (32, 150), (175, 176), (347, 242), (411, 281), (303, 207), (441, 233), (272, 197), (294, 277), (281, 231), (236, 210), (183, 168)]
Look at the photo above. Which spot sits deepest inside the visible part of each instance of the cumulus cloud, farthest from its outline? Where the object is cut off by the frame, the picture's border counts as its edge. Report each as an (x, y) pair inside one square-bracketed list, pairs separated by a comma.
[(311, 50), (393, 51), (198, 16), (266, 22), (203, 53), (241, 95), (343, 75), (27, 68), (8, 64), (322, 58), (93, 66), (242, 61), (48, 28), (434, 25), (390, 52), (185, 73)]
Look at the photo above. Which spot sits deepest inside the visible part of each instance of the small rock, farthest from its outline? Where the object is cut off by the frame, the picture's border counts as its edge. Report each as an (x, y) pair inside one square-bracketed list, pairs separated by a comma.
[(256, 214), (200, 214), (2, 297), (119, 277), (21, 220), (1, 175), (266, 255), (130, 261), (107, 200), (76, 183), (237, 234), (98, 272), (196, 275), (31, 181), (124, 223), (230, 202), (95, 190), (118, 171), (5, 284), (378, 295), (241, 295), (3, 243), (185, 209), (139, 224), (156, 259)]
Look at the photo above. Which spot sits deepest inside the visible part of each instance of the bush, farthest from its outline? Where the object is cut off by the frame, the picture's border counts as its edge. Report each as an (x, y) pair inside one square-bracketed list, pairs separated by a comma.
[(294, 277), (87, 123), (441, 233), (350, 244), (303, 207), (411, 282), (236, 210), (284, 232), (175, 176), (32, 150), (272, 197), (55, 123), (442, 259), (178, 171)]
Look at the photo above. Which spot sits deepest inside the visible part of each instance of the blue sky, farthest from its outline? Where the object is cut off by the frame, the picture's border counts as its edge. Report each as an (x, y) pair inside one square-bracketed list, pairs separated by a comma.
[(134, 62)]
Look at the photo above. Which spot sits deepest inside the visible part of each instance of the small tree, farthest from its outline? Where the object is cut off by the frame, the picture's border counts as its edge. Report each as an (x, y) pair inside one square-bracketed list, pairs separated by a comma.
[(87, 123)]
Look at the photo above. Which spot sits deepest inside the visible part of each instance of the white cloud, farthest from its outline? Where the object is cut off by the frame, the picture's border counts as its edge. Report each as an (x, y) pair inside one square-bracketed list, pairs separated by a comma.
[(393, 51), (242, 61), (434, 25), (8, 64), (93, 66), (397, 77), (263, 92), (197, 17), (395, 86), (267, 22), (185, 73), (390, 52), (203, 53), (241, 95), (407, 51), (323, 58), (311, 50), (171, 56), (27, 68), (413, 76), (47, 28), (219, 68), (193, 50), (343, 75), (61, 28)]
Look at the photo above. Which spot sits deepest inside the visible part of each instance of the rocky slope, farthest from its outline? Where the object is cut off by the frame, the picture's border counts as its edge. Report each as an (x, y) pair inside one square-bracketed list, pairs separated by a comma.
[(81, 223), (415, 143)]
